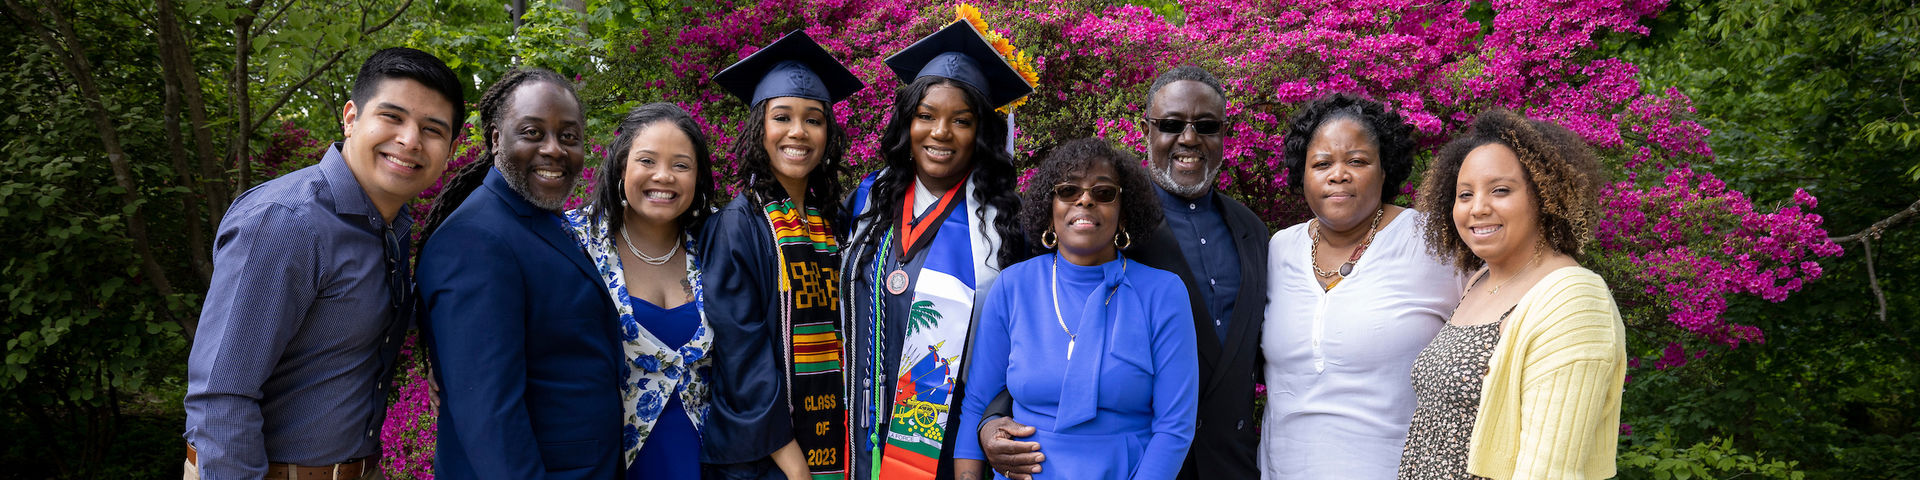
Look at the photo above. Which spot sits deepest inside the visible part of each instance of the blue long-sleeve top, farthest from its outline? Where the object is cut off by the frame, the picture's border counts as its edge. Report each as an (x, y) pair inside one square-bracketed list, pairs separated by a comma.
[(300, 326), (1123, 405)]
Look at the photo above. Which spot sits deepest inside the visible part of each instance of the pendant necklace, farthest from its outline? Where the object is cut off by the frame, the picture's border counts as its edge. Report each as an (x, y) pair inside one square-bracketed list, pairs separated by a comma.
[(651, 260), (1054, 286), (1345, 268)]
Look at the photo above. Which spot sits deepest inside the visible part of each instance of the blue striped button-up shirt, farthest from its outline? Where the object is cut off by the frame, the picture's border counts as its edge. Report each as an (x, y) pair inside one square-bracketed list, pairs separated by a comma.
[(300, 326)]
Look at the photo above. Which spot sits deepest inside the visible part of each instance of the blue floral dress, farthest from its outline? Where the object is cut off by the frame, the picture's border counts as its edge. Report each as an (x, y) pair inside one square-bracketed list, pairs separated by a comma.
[(666, 353)]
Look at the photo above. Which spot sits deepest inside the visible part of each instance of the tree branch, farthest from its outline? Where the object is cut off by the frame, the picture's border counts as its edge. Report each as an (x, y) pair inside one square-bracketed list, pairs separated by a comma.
[(1874, 231), (1873, 280), (272, 19), (389, 21), (287, 95)]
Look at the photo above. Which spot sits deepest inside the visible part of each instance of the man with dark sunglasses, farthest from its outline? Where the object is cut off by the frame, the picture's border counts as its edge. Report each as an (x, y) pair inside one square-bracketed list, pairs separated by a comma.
[(1218, 247), (311, 294)]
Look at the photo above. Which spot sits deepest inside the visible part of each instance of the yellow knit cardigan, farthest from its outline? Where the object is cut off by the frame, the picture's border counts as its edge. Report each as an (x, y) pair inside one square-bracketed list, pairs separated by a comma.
[(1550, 404)]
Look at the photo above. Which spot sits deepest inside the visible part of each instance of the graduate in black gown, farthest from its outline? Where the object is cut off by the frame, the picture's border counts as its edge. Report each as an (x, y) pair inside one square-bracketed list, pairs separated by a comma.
[(773, 271), (931, 230)]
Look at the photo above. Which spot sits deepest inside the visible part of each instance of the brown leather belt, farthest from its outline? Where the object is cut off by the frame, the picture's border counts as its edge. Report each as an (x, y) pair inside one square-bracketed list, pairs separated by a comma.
[(339, 471)]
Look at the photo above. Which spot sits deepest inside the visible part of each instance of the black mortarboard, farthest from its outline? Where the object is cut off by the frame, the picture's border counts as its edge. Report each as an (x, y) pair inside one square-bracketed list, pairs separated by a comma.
[(960, 53), (793, 66)]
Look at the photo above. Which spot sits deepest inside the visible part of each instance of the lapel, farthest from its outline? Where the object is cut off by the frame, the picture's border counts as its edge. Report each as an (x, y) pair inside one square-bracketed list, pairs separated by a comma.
[(1164, 251), (543, 224), (1250, 305)]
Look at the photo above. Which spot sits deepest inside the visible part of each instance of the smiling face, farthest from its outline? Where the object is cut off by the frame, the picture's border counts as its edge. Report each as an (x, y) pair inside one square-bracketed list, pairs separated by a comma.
[(1343, 175), (1494, 209), (659, 178), (796, 138), (540, 144), (398, 141), (941, 138), (1186, 164), (1084, 225)]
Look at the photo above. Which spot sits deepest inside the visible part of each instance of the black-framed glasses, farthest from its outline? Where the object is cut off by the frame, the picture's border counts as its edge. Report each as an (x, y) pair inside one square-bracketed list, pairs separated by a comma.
[(1176, 127), (1067, 192)]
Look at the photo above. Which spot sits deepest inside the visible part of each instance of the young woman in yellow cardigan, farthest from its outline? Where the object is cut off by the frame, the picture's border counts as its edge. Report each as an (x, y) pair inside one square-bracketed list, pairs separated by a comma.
[(1524, 381)]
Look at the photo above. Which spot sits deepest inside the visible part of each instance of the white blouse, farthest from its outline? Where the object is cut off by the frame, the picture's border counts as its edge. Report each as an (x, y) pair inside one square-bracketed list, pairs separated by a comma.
[(1339, 363)]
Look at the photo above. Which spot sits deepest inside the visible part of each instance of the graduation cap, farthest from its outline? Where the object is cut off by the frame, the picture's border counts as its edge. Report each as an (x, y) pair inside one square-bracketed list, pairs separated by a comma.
[(960, 53), (793, 66)]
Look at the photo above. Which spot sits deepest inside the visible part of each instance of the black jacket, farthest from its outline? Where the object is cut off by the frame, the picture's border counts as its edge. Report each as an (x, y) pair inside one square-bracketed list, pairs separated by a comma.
[(1224, 442)]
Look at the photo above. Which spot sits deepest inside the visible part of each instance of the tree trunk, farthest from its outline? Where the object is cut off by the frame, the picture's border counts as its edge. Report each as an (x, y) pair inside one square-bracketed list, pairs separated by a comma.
[(212, 186), (239, 88), (72, 55), (170, 71)]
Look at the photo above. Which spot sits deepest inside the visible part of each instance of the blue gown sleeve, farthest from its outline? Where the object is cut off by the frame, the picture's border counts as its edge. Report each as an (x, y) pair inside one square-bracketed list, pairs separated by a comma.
[(748, 419), (987, 364), (473, 295), (1176, 380)]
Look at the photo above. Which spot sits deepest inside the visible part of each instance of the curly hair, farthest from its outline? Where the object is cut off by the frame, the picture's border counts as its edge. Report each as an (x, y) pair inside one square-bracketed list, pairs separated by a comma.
[(994, 176), (1561, 170), (613, 173), (492, 105), (1390, 132), (756, 165), (1139, 206)]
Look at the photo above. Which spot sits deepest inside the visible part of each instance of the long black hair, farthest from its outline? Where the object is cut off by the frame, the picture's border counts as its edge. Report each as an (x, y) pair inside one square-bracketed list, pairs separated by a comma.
[(756, 165), (993, 171), (492, 105), (614, 170)]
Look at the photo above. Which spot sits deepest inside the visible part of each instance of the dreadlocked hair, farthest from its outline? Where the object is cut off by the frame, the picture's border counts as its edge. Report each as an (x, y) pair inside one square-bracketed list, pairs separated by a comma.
[(492, 105), (756, 166), (994, 174)]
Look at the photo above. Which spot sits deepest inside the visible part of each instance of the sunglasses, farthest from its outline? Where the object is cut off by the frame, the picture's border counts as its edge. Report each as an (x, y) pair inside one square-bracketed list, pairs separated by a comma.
[(1176, 127), (1067, 192)]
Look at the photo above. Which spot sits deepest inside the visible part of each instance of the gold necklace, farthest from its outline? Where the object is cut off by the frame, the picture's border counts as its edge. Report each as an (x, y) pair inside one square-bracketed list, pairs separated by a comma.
[(1313, 231), (1530, 264)]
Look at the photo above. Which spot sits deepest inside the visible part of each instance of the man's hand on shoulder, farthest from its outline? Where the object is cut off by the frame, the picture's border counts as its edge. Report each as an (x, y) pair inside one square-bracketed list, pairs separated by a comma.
[(1012, 458)]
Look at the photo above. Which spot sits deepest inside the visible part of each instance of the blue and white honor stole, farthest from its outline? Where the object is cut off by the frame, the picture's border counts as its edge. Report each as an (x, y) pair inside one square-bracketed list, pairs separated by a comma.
[(960, 261)]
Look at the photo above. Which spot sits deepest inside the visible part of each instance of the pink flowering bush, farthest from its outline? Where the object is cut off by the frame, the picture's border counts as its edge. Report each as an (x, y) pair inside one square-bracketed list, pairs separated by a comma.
[(1676, 243), (407, 437)]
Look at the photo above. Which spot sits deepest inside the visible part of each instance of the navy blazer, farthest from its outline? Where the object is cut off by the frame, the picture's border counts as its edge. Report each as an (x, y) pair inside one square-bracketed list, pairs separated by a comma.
[(525, 343)]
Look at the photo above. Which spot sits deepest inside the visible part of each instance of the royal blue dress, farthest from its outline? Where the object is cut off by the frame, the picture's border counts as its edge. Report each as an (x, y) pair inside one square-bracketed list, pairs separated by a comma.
[(672, 451), (1123, 405)]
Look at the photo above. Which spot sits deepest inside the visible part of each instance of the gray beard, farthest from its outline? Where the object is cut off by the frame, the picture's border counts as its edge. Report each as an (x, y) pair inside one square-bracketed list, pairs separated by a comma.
[(517, 180), (1164, 177)]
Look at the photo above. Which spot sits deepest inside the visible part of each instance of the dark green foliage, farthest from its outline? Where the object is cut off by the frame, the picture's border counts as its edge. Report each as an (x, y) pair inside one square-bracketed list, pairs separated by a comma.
[(1817, 95)]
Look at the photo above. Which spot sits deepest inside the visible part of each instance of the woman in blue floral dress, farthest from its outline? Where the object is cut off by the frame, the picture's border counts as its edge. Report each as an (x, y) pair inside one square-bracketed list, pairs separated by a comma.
[(654, 192)]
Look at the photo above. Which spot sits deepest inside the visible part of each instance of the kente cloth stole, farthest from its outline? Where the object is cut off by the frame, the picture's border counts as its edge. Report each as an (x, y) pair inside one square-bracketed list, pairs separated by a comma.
[(937, 326), (809, 260)]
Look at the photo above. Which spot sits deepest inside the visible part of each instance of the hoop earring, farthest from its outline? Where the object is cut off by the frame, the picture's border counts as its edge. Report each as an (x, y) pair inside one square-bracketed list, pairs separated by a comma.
[(1048, 239), (1122, 240)]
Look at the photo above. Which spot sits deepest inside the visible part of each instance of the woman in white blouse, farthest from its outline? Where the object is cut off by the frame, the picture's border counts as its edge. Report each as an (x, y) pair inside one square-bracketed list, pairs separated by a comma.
[(1353, 297)]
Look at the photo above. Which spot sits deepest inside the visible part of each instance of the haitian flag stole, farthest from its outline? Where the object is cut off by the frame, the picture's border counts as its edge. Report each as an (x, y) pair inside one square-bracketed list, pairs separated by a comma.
[(809, 260), (937, 327)]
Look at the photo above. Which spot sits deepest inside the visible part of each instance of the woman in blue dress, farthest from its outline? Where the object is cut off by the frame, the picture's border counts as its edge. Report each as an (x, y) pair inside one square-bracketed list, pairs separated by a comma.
[(654, 192), (1096, 350), (779, 404)]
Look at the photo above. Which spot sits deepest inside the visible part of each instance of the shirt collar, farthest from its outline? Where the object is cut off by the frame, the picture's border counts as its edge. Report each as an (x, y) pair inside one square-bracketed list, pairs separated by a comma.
[(349, 197), (1174, 204)]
